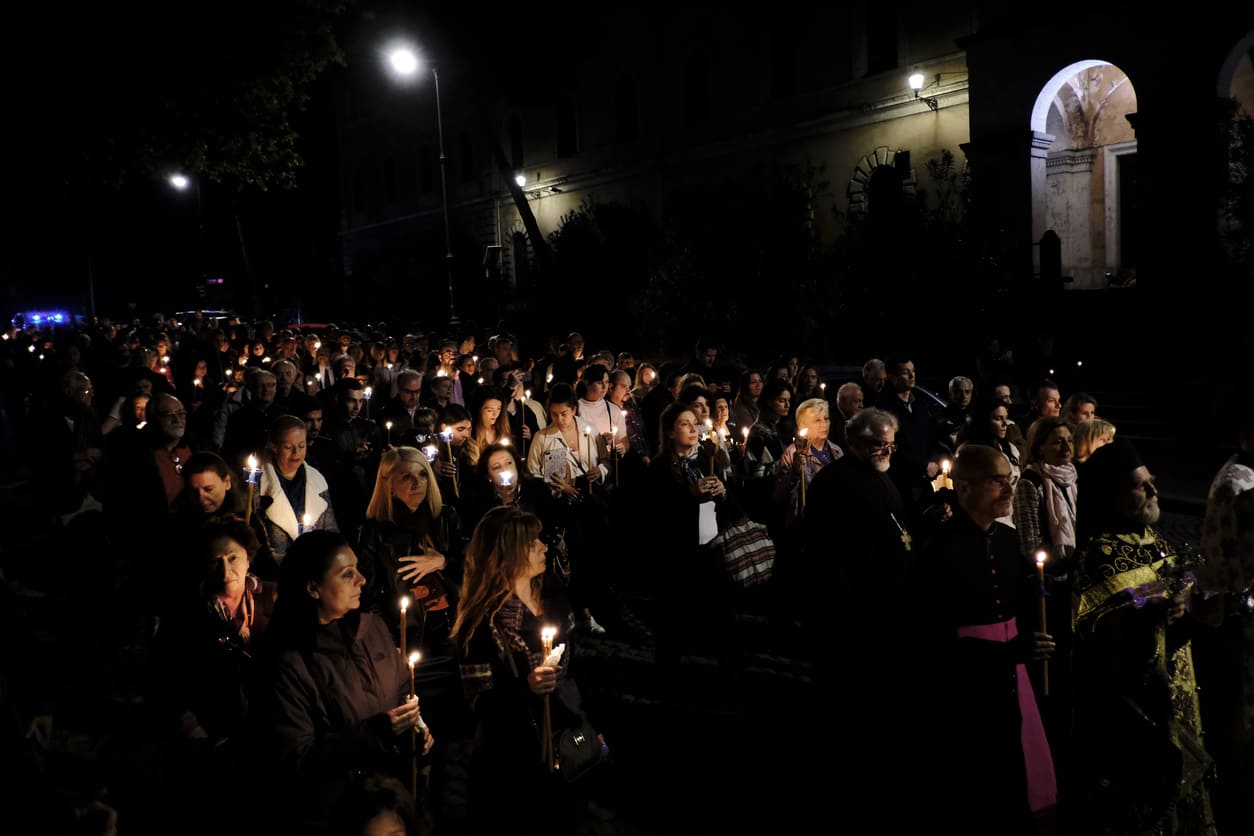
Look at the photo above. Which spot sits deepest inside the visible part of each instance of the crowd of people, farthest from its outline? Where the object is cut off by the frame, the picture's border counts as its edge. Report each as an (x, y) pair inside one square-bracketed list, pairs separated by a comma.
[(346, 548)]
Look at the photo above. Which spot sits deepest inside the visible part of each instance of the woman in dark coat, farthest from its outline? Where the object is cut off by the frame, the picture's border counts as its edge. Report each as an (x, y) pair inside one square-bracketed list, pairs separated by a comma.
[(691, 506), (339, 699)]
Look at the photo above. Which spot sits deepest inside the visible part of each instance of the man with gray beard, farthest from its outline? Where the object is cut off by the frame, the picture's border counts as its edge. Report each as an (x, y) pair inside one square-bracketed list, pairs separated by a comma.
[(854, 599), (857, 542)]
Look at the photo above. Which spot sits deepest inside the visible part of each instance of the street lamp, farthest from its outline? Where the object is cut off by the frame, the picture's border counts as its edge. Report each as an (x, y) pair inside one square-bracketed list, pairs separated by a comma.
[(406, 65)]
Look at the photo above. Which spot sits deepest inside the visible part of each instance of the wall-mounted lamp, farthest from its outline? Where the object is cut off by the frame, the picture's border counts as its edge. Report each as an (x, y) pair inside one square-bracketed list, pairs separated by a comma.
[(916, 84)]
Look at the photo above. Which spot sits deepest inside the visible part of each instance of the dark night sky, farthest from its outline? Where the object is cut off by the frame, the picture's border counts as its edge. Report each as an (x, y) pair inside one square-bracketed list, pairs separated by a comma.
[(88, 93)]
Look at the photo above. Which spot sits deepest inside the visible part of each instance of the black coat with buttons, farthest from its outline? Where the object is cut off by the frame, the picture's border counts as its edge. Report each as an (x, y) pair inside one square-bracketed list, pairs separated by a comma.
[(971, 576)]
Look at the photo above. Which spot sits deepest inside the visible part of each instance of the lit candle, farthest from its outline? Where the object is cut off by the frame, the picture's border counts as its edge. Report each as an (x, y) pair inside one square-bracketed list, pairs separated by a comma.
[(505, 442), (548, 378), (614, 451), (309, 383), (447, 435), (587, 437), (388, 424), (804, 449), (744, 445), (198, 382), (527, 394), (413, 659), (1040, 572), (441, 373), (480, 381), (546, 732), (317, 344), (368, 394), (254, 478), (547, 634), (31, 349), (506, 478), (475, 357), (165, 358), (430, 451), (265, 359), (823, 388), (946, 482), (404, 617)]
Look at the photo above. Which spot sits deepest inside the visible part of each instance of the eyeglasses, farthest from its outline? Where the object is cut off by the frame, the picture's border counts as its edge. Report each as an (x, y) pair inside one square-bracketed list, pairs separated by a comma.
[(881, 446)]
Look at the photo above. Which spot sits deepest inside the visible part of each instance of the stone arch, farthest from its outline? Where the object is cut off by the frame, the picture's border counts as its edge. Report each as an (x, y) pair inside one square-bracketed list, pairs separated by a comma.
[(858, 191), (1083, 163)]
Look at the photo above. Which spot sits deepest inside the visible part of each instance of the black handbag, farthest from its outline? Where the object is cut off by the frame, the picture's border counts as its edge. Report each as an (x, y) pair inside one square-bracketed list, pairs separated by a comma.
[(577, 751)]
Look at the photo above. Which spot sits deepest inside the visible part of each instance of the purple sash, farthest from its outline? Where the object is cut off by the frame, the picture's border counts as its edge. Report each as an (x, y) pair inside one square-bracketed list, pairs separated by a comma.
[(1039, 763)]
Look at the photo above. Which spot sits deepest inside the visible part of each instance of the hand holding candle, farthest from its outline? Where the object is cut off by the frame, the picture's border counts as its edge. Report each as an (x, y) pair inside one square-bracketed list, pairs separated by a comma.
[(546, 734)]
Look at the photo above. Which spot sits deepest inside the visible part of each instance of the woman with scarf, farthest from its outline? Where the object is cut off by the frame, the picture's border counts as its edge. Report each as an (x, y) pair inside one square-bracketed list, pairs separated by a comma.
[(500, 616), (204, 658)]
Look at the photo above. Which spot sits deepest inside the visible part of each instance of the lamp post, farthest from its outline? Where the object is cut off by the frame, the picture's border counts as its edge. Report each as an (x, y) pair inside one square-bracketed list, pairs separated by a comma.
[(405, 64), (181, 182)]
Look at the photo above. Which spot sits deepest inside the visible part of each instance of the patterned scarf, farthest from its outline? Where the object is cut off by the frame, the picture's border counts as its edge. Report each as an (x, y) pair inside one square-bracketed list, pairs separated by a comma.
[(1060, 495)]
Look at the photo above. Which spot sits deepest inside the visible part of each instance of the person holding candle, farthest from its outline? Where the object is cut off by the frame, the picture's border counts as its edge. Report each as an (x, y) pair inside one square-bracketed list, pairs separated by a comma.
[(574, 461), (691, 506), (975, 604), (502, 610), (338, 700), (454, 428), (291, 488), (814, 449), (411, 546), (768, 438), (520, 410)]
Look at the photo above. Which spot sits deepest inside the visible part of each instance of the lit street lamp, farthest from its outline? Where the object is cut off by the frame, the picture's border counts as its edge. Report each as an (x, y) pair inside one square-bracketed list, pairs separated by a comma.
[(405, 64)]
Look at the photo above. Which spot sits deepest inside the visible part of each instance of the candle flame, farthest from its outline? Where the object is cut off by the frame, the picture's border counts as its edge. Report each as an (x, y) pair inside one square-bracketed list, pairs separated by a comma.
[(308, 521), (252, 462), (404, 603), (265, 359), (475, 357), (1040, 558), (504, 441), (803, 432), (548, 378), (613, 430), (414, 658), (388, 424), (368, 392), (547, 633), (481, 380), (527, 393), (745, 432), (507, 478), (446, 434), (165, 358), (441, 373), (317, 344), (945, 467)]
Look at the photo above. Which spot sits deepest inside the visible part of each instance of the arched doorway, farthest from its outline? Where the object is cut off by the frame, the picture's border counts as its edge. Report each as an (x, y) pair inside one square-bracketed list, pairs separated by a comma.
[(1084, 172)]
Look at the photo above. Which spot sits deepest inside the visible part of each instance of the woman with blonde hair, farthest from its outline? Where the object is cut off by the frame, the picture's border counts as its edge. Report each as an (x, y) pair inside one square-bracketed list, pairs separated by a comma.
[(1089, 435), (814, 419), (504, 673), (411, 545)]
